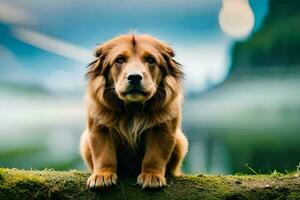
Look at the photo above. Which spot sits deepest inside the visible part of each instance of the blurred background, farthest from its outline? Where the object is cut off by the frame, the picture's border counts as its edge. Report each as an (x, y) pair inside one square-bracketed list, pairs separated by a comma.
[(241, 60)]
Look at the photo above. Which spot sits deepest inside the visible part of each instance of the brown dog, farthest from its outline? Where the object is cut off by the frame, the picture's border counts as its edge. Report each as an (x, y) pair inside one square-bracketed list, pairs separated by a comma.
[(134, 96)]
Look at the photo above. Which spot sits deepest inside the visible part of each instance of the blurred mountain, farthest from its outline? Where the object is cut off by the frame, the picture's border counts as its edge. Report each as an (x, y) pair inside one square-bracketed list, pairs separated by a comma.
[(254, 114), (275, 45)]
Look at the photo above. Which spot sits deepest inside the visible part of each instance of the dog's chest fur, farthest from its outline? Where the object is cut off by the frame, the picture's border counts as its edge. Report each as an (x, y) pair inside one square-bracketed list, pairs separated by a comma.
[(133, 123)]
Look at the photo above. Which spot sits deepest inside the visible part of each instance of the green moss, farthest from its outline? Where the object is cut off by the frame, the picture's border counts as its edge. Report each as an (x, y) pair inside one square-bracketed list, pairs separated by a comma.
[(293, 196), (2, 172), (49, 184)]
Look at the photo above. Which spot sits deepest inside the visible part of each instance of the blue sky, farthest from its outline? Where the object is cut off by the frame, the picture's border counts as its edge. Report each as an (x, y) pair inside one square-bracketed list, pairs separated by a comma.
[(191, 27)]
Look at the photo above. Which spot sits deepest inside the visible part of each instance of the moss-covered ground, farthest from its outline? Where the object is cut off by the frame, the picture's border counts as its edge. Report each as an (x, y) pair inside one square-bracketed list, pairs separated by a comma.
[(48, 184)]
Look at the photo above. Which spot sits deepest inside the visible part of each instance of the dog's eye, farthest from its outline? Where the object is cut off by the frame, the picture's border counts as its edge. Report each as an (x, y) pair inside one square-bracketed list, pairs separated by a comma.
[(150, 60), (120, 60)]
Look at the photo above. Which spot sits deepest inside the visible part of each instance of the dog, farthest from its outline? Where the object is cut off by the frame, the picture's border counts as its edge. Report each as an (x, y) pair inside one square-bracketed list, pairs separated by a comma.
[(133, 105)]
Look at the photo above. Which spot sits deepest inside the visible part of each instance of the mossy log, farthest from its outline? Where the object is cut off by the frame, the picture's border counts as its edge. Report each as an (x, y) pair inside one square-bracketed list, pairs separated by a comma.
[(48, 184)]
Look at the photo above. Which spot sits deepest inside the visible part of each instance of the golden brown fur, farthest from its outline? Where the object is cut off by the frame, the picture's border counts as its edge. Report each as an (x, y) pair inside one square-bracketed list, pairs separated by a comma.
[(128, 131)]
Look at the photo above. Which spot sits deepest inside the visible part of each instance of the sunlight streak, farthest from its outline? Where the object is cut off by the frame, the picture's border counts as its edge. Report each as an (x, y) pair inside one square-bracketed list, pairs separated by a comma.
[(53, 45)]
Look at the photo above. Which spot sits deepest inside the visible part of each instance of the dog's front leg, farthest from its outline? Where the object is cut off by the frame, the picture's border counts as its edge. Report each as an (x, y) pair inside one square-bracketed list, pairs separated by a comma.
[(103, 149), (159, 143)]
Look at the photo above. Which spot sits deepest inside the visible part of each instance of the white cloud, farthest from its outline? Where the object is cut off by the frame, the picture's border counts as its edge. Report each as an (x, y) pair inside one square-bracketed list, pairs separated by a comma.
[(203, 62)]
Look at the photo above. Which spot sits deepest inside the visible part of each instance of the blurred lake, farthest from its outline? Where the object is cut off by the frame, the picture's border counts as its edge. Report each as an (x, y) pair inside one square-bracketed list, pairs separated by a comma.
[(242, 68)]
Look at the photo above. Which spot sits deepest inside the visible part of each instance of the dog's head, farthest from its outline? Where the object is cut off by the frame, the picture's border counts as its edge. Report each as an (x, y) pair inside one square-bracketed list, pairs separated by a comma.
[(134, 68)]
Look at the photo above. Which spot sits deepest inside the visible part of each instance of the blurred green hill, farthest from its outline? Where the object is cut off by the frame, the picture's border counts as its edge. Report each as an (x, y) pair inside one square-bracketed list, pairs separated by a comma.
[(253, 117), (276, 44)]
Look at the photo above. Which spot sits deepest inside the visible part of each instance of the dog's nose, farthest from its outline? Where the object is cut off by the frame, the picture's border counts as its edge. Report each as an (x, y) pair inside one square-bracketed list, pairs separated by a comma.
[(134, 79)]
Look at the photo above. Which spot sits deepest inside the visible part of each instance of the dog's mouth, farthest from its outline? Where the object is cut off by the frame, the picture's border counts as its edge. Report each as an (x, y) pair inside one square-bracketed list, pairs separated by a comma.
[(135, 91)]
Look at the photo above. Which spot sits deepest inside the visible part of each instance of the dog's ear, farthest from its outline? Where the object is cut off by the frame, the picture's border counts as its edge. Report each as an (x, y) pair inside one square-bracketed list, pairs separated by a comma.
[(169, 51), (171, 84), (98, 66), (173, 67), (93, 69)]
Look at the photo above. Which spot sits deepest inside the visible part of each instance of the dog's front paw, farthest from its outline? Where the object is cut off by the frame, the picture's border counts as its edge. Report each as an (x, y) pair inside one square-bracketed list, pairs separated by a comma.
[(102, 179), (151, 180)]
